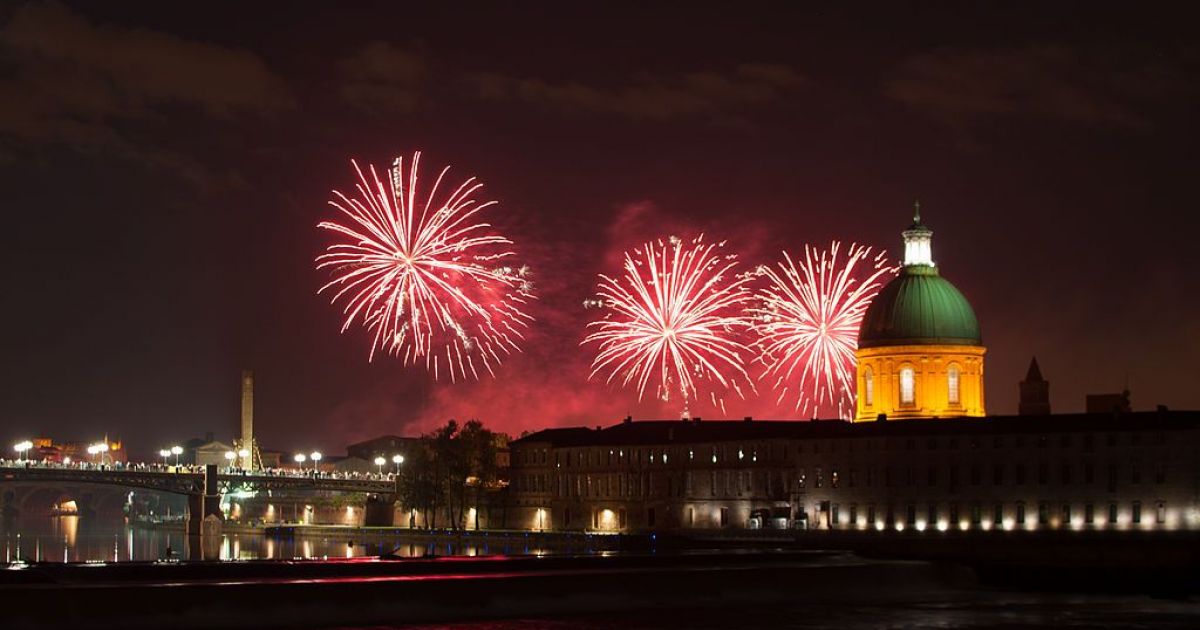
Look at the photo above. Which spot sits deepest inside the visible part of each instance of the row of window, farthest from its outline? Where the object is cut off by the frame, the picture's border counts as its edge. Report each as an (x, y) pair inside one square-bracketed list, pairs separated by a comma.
[(730, 483), (1019, 476), (640, 457), (908, 395)]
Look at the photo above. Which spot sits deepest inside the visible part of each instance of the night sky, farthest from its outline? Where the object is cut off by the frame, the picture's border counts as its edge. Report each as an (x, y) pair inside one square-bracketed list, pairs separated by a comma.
[(164, 167)]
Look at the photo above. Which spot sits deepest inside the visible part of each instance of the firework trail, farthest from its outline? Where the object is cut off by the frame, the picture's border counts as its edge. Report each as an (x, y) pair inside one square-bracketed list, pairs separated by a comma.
[(808, 321), (673, 320), (424, 276)]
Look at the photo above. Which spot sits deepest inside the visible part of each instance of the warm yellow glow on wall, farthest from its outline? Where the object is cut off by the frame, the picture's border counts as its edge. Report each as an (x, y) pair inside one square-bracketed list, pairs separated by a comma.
[(606, 520), (939, 373)]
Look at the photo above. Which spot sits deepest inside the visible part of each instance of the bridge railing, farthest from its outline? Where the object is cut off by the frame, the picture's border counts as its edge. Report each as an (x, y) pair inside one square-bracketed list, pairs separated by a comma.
[(187, 479)]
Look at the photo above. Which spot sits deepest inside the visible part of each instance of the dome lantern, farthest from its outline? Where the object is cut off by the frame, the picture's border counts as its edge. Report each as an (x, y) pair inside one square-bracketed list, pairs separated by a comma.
[(918, 242)]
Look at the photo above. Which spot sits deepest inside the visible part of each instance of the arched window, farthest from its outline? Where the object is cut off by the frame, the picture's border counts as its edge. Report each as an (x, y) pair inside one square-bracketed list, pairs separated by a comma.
[(869, 386), (952, 384), (907, 395)]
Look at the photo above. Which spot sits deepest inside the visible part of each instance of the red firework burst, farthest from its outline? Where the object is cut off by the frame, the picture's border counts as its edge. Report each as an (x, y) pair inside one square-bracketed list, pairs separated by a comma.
[(673, 322), (425, 277), (808, 323)]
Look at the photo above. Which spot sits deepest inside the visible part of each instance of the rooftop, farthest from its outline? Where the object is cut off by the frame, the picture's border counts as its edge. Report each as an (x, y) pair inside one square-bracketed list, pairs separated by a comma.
[(698, 431)]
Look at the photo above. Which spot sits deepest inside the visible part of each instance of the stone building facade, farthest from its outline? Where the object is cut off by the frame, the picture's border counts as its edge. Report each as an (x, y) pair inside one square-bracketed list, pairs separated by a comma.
[(1133, 471)]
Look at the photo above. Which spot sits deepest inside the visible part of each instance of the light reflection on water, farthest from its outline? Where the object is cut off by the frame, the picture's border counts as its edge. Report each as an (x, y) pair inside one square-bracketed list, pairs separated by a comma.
[(78, 539)]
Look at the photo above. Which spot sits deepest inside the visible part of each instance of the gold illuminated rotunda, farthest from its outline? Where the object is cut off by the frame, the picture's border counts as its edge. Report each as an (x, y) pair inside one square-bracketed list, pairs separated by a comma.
[(920, 354)]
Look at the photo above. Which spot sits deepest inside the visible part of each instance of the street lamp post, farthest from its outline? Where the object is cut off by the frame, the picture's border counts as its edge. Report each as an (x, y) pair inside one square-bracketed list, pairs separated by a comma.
[(22, 448), (397, 460), (300, 460), (315, 456), (99, 448), (380, 461), (176, 451), (229, 455), (164, 453)]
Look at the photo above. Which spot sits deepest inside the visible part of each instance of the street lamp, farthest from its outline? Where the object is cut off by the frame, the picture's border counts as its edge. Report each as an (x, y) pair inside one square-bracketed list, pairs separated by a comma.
[(229, 455), (164, 453), (300, 460), (316, 458), (176, 451), (22, 448), (99, 448), (397, 460), (380, 461)]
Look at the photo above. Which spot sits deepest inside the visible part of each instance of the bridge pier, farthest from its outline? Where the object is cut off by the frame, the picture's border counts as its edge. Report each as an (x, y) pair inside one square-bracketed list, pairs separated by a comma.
[(204, 519), (380, 510)]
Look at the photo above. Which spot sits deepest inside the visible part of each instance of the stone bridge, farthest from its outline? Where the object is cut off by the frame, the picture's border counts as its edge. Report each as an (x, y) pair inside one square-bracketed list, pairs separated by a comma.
[(34, 487)]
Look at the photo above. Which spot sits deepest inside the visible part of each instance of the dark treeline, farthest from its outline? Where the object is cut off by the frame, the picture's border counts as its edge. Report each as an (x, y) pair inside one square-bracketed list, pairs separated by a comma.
[(454, 469)]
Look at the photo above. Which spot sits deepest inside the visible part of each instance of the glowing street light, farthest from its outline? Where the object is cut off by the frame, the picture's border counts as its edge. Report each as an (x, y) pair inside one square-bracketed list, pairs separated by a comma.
[(300, 460), (397, 460), (316, 458), (164, 453), (176, 451), (23, 448), (229, 455), (380, 461), (99, 448)]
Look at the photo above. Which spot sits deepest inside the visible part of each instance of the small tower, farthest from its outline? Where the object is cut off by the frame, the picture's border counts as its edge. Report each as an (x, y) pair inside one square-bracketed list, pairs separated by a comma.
[(252, 459), (1035, 392)]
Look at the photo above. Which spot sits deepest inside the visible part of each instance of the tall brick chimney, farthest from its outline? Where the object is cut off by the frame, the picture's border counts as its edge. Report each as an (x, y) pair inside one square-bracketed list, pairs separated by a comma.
[(246, 442)]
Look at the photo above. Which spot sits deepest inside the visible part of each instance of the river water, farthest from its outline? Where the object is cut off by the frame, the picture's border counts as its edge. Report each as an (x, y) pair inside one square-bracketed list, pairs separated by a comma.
[(100, 539), (110, 539)]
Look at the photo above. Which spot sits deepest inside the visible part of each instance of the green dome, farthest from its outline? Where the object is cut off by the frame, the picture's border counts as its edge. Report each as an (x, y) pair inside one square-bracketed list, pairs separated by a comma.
[(919, 307)]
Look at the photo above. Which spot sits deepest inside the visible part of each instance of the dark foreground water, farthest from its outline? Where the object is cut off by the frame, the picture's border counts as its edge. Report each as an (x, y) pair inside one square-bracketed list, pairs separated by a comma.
[(985, 612), (838, 592)]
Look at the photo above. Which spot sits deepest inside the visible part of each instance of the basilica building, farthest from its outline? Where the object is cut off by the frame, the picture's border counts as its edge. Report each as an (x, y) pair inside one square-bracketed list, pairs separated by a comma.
[(920, 455), (920, 353)]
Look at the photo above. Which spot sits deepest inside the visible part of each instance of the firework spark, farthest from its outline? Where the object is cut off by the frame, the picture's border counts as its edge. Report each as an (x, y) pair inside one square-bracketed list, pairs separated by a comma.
[(673, 321), (424, 276), (808, 323)]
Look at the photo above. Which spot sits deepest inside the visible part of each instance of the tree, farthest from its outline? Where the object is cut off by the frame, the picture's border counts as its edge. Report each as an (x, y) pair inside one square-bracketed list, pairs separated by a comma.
[(454, 468)]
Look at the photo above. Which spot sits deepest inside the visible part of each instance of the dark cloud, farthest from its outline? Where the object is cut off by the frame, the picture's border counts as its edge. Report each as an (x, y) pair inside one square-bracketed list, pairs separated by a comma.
[(73, 82), (653, 97), (382, 78), (1049, 81)]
